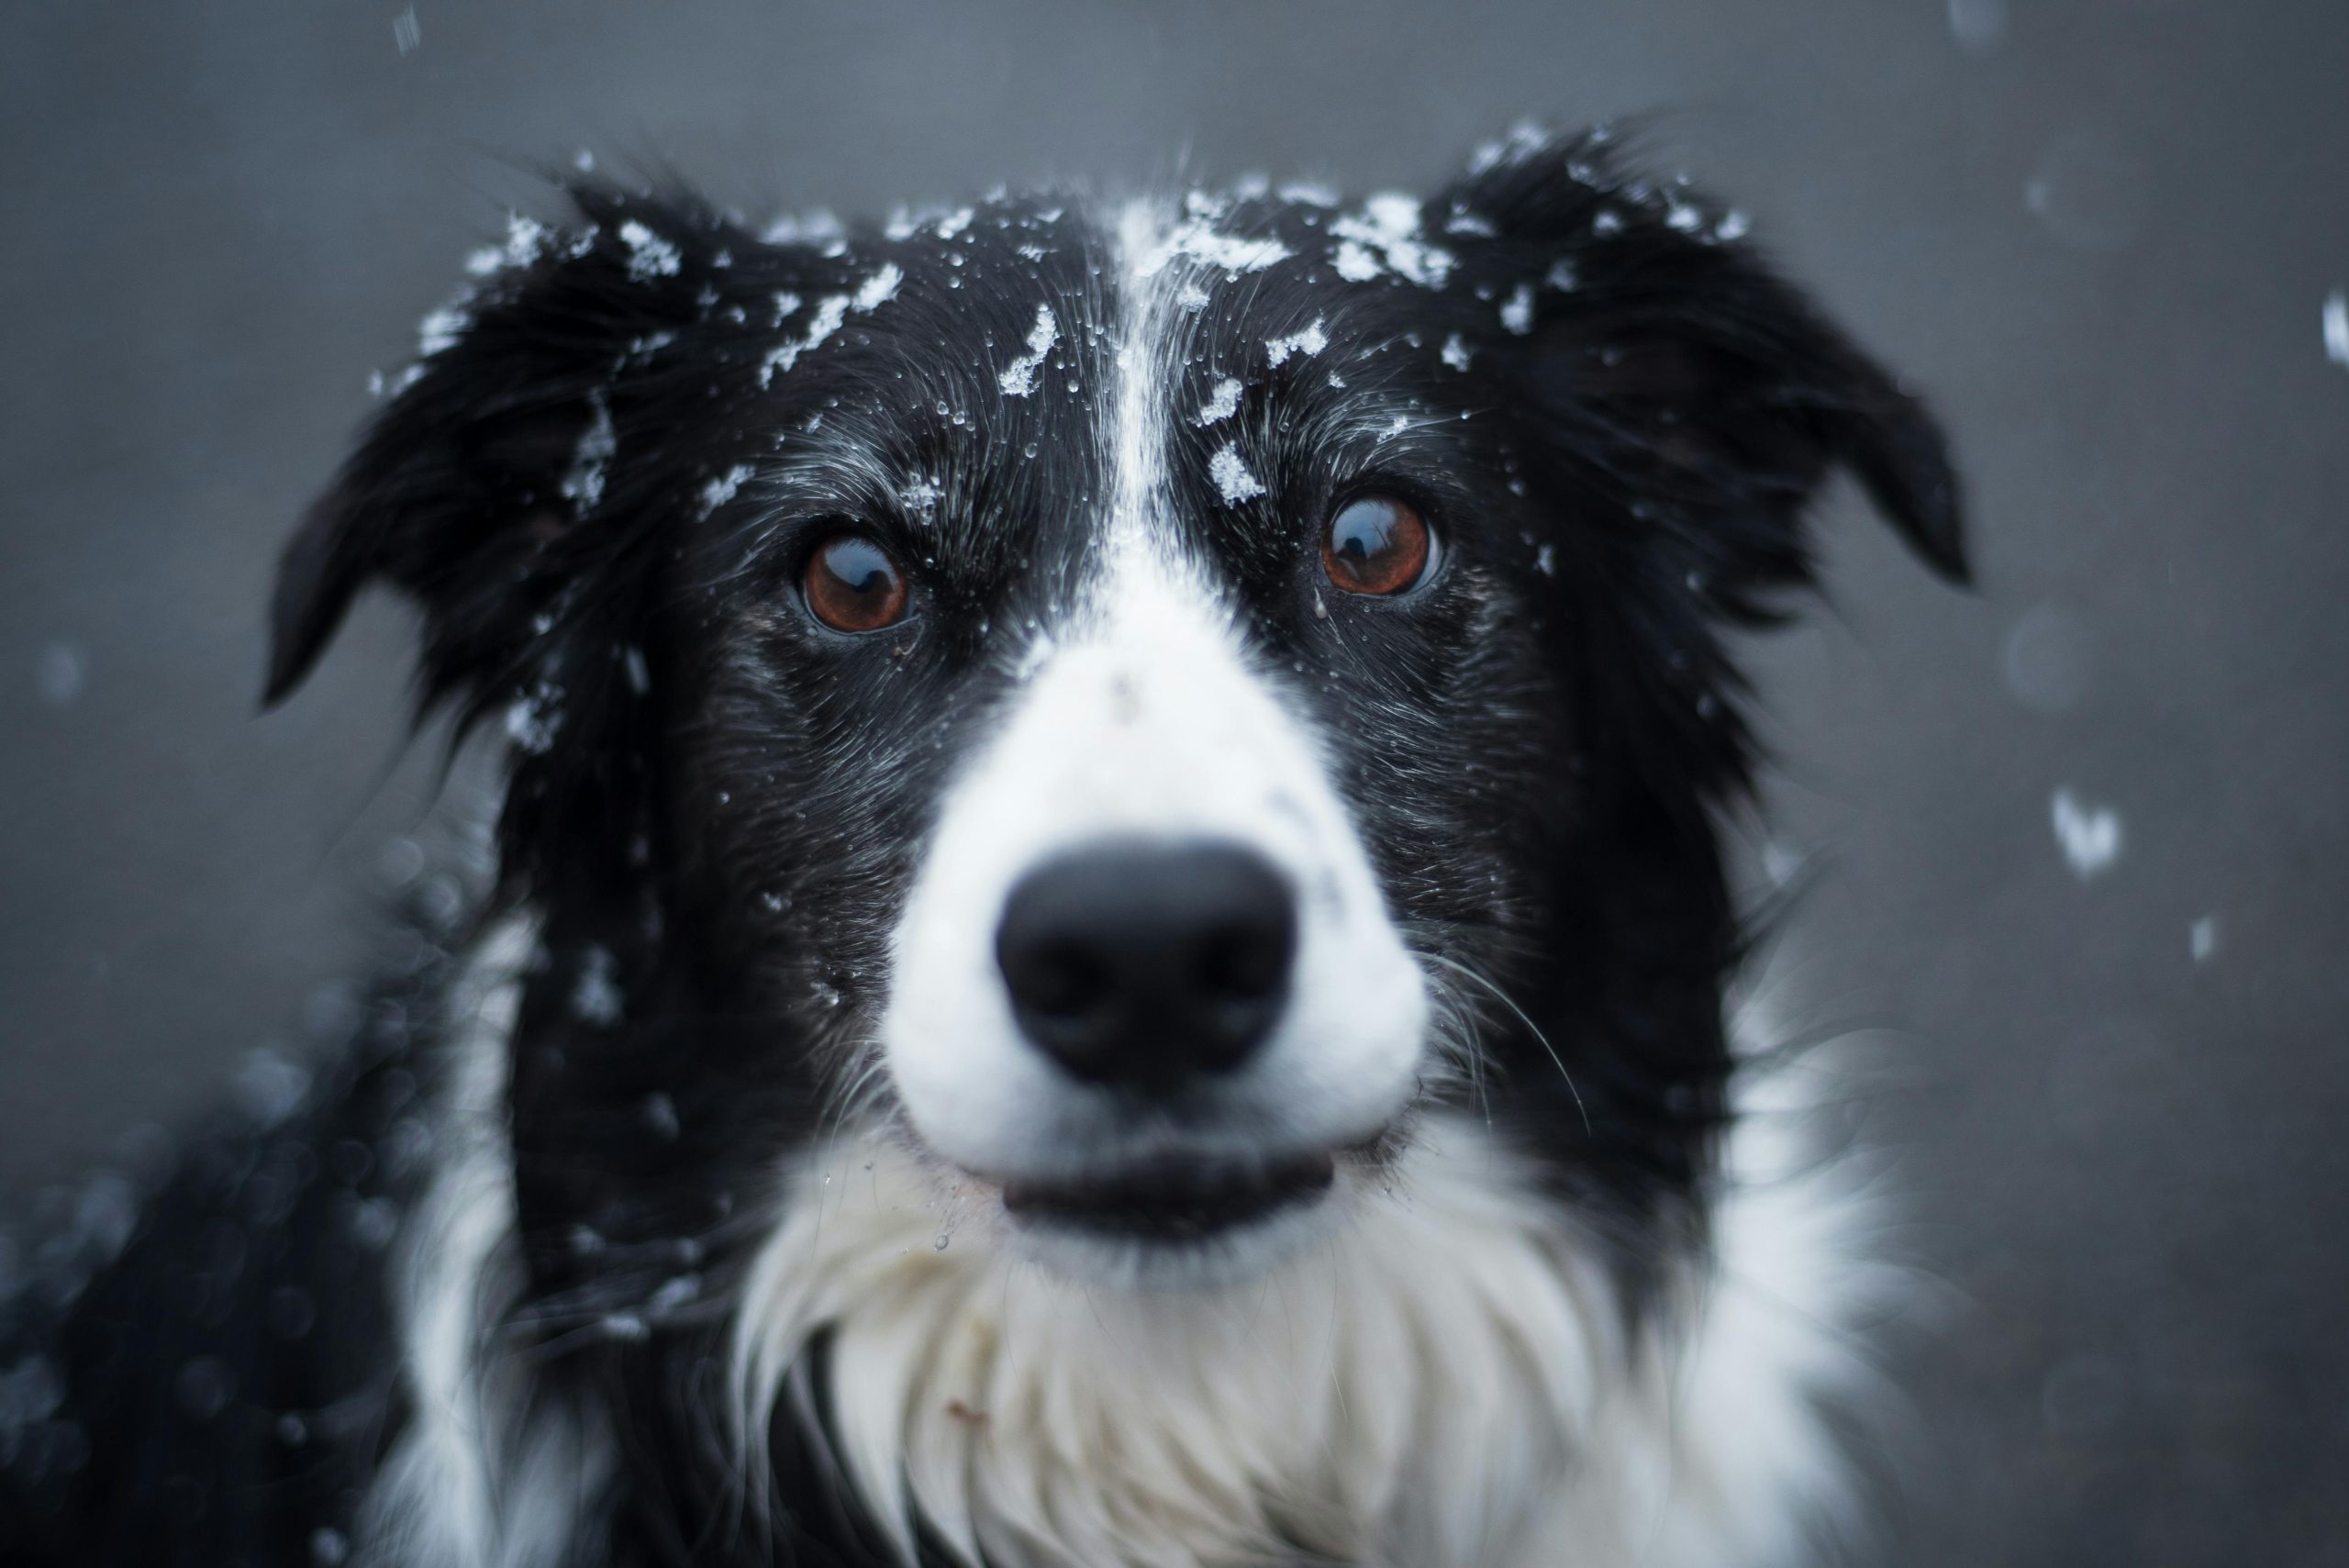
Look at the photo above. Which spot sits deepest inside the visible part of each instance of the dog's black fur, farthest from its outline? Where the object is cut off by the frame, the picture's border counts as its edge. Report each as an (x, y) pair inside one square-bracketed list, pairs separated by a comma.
[(715, 804)]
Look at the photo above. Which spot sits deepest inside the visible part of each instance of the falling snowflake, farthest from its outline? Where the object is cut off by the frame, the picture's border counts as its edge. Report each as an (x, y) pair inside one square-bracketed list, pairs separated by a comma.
[(2089, 836)]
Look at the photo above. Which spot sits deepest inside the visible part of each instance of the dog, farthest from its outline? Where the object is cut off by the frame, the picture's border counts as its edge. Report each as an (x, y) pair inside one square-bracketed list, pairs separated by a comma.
[(1108, 944)]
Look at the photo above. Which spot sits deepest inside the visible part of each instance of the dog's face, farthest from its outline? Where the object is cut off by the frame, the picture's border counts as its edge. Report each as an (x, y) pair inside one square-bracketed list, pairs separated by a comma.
[(1142, 704)]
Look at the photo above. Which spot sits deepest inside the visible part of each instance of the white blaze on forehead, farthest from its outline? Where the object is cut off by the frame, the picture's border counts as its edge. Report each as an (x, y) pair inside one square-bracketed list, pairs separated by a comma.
[(1140, 714), (1137, 447)]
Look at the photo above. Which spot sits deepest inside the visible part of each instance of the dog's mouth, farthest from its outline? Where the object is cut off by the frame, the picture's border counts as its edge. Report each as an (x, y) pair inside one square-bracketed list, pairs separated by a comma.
[(1174, 1201)]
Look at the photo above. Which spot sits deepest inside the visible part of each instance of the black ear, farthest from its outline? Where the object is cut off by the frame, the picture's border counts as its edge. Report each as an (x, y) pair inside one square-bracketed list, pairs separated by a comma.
[(475, 490), (1680, 376)]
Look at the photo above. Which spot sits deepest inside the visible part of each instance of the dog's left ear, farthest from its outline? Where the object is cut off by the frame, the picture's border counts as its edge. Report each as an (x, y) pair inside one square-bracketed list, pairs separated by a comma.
[(1677, 376), (495, 489)]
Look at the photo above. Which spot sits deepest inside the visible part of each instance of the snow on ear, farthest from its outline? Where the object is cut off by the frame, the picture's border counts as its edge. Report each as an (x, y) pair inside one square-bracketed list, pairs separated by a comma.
[(1690, 377), (470, 491)]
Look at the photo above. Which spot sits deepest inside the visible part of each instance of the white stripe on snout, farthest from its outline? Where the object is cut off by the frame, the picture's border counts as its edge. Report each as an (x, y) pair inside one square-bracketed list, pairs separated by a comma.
[(1142, 716)]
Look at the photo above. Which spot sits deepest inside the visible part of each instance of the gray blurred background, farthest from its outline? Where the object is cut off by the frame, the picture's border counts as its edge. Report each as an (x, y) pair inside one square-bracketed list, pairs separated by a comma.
[(2101, 234)]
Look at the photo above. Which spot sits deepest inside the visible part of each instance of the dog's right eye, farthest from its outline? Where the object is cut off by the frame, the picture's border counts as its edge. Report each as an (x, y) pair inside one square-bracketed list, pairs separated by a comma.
[(1378, 545), (852, 584)]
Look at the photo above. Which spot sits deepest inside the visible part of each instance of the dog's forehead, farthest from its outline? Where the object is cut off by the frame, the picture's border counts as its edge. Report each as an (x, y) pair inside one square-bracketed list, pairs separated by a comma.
[(1053, 349)]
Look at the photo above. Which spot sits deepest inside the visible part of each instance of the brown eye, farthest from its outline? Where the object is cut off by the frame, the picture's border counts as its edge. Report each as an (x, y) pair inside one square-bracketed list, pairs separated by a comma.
[(852, 584), (1377, 545)]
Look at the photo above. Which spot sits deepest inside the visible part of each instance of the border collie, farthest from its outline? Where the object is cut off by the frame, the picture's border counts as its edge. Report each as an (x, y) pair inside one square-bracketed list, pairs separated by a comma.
[(1110, 945)]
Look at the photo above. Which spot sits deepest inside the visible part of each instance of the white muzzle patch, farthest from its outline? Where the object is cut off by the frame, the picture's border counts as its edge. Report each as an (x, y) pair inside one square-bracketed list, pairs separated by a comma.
[(1147, 724)]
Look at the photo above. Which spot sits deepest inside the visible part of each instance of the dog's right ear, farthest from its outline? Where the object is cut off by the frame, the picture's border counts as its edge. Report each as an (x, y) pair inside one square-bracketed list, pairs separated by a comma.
[(475, 490)]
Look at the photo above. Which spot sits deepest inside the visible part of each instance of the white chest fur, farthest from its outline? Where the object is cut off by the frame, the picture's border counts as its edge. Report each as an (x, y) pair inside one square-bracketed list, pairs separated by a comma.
[(1444, 1382)]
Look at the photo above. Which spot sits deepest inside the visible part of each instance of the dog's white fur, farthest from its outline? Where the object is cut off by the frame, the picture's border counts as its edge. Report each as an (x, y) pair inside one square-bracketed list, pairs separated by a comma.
[(1145, 723), (485, 1476), (1443, 1382)]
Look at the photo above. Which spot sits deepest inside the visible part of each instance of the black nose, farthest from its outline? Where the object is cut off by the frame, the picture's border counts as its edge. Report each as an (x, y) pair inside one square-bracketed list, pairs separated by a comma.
[(1142, 963)]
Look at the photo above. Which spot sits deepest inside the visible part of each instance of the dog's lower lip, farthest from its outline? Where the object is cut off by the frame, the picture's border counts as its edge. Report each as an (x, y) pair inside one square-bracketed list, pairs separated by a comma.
[(1173, 1200)]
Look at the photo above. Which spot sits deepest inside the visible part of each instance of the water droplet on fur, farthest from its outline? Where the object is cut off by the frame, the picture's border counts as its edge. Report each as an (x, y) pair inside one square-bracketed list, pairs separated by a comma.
[(940, 1243)]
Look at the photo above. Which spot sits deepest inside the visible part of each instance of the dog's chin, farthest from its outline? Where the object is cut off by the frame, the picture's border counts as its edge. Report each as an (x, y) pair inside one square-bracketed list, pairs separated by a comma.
[(1174, 1223)]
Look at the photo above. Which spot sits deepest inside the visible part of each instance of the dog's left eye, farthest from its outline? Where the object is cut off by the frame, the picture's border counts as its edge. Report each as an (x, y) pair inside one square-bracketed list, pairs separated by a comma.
[(1377, 545), (853, 585)]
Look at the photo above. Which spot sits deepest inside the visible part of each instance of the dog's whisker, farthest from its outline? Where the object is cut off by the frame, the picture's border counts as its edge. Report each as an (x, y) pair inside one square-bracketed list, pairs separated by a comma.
[(1465, 973)]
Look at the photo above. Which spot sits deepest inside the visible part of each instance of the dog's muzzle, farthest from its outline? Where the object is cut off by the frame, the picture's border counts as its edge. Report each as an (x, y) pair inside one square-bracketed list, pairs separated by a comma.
[(1146, 985)]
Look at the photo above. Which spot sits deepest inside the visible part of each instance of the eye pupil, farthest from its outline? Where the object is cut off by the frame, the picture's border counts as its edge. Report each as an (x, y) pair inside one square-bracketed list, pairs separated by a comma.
[(853, 585), (1377, 545)]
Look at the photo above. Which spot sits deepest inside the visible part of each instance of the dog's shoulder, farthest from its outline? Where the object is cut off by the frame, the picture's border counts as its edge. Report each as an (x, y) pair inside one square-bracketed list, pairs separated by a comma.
[(204, 1323)]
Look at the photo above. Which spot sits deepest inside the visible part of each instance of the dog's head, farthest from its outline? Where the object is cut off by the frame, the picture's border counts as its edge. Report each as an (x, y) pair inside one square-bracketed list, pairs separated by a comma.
[(1142, 703)]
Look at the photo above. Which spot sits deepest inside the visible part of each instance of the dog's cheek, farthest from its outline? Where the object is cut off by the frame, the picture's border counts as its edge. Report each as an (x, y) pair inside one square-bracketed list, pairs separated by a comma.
[(793, 853), (1450, 749)]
